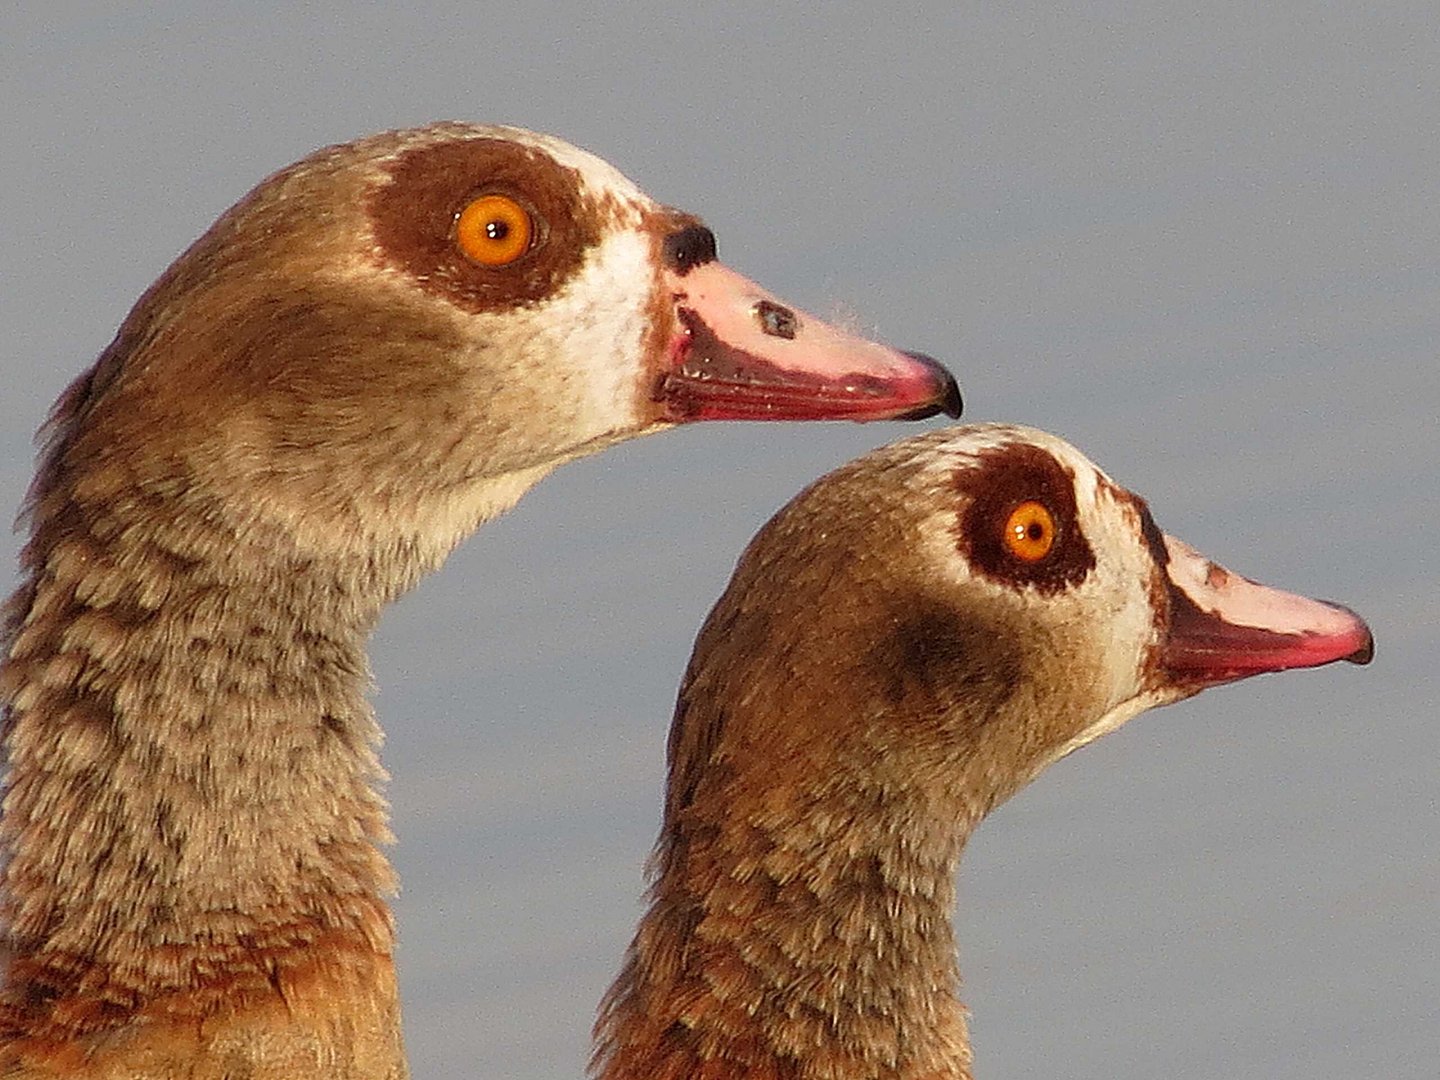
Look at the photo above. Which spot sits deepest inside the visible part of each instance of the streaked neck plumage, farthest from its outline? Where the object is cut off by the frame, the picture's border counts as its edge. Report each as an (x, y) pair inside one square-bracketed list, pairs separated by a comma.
[(799, 923), (192, 815), (792, 941)]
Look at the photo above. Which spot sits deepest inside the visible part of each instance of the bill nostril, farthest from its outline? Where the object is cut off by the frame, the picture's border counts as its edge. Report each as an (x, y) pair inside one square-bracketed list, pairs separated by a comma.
[(688, 248), (776, 320)]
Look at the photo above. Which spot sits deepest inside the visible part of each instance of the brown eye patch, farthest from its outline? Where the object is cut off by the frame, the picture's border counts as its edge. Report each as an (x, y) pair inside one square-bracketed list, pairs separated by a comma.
[(1021, 483), (415, 217)]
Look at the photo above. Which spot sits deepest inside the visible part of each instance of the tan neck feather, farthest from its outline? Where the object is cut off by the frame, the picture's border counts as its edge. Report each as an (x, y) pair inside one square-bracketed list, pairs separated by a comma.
[(191, 824), (789, 937)]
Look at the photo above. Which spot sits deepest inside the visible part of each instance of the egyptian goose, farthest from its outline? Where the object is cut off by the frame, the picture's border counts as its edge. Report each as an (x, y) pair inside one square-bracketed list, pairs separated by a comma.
[(372, 353), (902, 648)]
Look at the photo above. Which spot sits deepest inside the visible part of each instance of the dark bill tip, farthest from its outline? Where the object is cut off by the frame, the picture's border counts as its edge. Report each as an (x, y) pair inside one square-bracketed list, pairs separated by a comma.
[(1365, 652), (948, 399)]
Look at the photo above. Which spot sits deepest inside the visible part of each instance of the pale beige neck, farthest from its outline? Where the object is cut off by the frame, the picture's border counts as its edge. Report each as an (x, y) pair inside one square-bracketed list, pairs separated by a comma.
[(809, 946), (191, 825)]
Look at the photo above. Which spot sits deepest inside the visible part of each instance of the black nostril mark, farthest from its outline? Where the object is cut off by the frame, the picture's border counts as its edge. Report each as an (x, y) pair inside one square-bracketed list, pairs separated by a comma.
[(776, 320), (690, 247)]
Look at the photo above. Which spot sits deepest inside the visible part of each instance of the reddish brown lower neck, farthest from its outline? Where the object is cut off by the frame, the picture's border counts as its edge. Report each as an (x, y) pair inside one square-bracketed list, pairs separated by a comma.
[(807, 948), (335, 1016)]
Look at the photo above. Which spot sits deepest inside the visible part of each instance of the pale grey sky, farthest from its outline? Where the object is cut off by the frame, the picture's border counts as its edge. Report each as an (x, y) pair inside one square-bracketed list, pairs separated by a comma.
[(1202, 242)]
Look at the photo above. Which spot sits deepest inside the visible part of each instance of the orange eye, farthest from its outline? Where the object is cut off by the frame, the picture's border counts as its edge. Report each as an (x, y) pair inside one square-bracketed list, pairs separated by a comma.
[(494, 230), (1029, 532)]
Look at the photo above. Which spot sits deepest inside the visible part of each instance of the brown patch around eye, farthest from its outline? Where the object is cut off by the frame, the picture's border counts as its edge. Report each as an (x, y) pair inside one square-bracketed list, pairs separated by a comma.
[(414, 218), (1006, 480)]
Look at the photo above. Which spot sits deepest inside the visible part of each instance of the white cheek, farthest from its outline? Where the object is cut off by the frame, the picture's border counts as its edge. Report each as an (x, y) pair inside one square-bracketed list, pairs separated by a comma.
[(1131, 633), (598, 323), (1119, 601)]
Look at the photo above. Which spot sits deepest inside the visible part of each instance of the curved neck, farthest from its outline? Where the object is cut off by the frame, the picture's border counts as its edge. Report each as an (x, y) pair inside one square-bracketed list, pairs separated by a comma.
[(797, 939), (191, 824)]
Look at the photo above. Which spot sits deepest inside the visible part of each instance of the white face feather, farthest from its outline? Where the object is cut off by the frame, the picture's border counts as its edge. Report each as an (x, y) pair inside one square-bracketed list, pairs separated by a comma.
[(598, 321), (598, 177), (601, 311)]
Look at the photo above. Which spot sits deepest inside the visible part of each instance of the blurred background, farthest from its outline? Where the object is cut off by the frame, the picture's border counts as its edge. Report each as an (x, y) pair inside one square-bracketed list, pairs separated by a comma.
[(1200, 241)]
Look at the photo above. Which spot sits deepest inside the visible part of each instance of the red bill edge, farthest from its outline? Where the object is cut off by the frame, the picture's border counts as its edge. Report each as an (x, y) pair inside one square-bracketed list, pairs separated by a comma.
[(1225, 627)]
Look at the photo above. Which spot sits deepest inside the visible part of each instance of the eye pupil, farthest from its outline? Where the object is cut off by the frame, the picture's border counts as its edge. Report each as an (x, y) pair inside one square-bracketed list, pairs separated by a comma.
[(497, 230)]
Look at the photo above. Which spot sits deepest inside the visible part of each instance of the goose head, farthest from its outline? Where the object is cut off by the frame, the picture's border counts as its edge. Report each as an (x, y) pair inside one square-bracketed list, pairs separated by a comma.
[(904, 646), (386, 343), (988, 599)]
